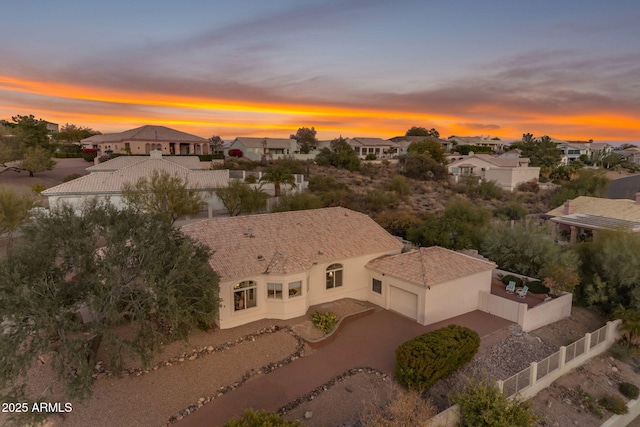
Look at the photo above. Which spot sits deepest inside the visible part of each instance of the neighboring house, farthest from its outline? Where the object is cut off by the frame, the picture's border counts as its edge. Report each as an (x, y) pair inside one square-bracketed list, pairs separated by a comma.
[(572, 151), (631, 154), (106, 180), (145, 139), (263, 148), (404, 142), (275, 266), (381, 148), (506, 172), (481, 141), (582, 217)]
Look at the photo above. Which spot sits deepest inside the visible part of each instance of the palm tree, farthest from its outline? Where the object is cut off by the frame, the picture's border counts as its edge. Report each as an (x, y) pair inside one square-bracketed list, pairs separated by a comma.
[(630, 327), (278, 176)]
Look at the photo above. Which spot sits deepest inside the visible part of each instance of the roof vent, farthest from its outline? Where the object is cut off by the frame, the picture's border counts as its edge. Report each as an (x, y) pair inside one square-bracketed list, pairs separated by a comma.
[(260, 258), (249, 232)]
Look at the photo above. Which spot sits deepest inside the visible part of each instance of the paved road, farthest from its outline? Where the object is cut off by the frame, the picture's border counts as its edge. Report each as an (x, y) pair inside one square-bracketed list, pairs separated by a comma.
[(624, 188), (369, 341)]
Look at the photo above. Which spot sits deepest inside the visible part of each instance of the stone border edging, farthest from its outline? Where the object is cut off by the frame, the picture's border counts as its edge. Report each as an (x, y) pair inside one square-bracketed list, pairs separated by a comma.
[(270, 367), (328, 386), (331, 336)]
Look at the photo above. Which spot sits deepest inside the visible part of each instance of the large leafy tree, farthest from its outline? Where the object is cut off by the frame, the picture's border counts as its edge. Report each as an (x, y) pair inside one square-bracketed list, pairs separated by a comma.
[(70, 133), (238, 197), (278, 176), (421, 166), (340, 155), (543, 152), (167, 195), (429, 146), (112, 267), (37, 159), (422, 131), (33, 132), (527, 249), (216, 144), (306, 137)]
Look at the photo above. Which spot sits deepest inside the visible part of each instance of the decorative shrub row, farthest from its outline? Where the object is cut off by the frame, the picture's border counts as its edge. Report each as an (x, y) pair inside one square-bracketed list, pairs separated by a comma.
[(424, 360)]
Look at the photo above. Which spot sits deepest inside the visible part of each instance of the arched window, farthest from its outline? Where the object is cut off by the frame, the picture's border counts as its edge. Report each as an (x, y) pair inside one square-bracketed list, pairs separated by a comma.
[(334, 276), (244, 295)]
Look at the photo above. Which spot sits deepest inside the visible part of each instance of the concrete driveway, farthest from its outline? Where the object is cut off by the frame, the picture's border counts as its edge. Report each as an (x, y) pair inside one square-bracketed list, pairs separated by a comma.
[(369, 341)]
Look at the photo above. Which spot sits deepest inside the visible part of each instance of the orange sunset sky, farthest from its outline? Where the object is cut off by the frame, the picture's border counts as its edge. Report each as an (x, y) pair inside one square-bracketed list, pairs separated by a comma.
[(351, 68)]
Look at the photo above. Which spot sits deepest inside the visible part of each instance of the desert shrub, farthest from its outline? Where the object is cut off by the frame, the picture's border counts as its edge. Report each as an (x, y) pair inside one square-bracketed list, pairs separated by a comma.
[(297, 201), (422, 361), (482, 404), (71, 177), (622, 351), (510, 278), (251, 418), (511, 210), (614, 404), (405, 408), (370, 156), (378, 200), (629, 390), (400, 186), (590, 403), (324, 321), (250, 179), (38, 188), (322, 184), (529, 187), (536, 287)]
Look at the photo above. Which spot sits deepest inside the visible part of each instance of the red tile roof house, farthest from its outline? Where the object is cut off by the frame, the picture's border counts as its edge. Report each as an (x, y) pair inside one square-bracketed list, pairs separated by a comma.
[(278, 265)]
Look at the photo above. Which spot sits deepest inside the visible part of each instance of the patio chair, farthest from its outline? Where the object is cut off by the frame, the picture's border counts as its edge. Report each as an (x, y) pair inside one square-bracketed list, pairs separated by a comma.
[(511, 287), (522, 293)]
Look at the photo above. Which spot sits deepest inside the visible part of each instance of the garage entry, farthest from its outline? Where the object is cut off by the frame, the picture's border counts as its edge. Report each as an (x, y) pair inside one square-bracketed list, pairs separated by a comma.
[(403, 302)]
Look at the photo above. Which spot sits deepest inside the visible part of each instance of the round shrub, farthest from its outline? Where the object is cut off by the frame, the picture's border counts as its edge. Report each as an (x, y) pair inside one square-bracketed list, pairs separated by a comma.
[(629, 390), (324, 321), (614, 404), (536, 287), (424, 360), (509, 278)]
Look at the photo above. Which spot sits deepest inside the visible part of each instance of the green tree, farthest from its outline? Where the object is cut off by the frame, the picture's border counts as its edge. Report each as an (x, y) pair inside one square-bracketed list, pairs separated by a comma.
[(429, 146), (37, 159), (278, 176), (511, 210), (70, 133), (113, 267), (421, 131), (167, 195), (14, 210), (543, 152), (400, 186), (422, 167), (589, 182), (306, 138), (33, 132), (238, 197), (216, 144), (340, 155), (482, 404), (11, 147), (525, 249)]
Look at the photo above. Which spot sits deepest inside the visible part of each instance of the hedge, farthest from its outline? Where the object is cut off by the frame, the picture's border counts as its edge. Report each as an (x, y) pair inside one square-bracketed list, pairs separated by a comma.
[(428, 358)]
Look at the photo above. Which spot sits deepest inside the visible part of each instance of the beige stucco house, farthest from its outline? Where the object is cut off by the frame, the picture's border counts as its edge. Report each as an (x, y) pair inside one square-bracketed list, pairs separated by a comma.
[(147, 138), (278, 265), (263, 148), (506, 172), (381, 148)]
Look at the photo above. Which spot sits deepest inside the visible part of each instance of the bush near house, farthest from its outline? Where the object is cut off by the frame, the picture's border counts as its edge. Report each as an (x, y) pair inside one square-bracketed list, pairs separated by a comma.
[(536, 287), (324, 321), (629, 390), (510, 278), (235, 152), (424, 360)]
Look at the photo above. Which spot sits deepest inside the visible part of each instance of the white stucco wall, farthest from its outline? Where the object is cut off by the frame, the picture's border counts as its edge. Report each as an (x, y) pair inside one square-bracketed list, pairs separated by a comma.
[(509, 178)]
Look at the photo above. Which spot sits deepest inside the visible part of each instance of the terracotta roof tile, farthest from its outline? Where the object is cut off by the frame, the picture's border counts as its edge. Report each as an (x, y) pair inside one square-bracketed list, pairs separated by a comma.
[(624, 209), (429, 266), (287, 242)]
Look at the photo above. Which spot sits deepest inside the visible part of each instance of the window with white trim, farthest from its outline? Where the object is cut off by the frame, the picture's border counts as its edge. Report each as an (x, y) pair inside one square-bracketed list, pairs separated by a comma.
[(274, 290), (334, 276), (245, 295), (295, 289)]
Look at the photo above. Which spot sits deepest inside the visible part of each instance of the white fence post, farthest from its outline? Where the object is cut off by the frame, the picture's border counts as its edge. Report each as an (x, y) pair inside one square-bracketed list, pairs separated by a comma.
[(587, 342), (533, 373), (500, 385), (562, 357)]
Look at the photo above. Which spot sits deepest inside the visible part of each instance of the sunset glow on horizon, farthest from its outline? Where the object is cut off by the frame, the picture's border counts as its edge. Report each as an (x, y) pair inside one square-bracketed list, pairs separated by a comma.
[(246, 73)]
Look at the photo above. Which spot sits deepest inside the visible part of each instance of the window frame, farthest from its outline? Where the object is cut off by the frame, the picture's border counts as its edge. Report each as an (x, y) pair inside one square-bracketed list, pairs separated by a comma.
[(373, 285), (275, 293), (334, 276), (245, 293)]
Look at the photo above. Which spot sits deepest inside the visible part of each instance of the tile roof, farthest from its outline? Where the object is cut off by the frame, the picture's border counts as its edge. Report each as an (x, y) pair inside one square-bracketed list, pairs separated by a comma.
[(371, 142), (287, 242), (145, 133), (504, 162), (429, 266), (251, 142), (623, 209), (189, 162), (112, 182), (596, 222)]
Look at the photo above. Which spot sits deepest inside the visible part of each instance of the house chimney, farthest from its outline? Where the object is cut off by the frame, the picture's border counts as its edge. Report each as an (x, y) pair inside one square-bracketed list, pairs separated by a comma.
[(638, 198), (569, 207)]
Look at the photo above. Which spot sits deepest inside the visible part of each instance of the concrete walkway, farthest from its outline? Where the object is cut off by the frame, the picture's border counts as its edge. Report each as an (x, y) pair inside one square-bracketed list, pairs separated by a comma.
[(368, 341)]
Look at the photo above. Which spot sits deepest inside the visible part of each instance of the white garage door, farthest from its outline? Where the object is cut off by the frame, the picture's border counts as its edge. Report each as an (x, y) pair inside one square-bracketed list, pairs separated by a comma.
[(405, 303)]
